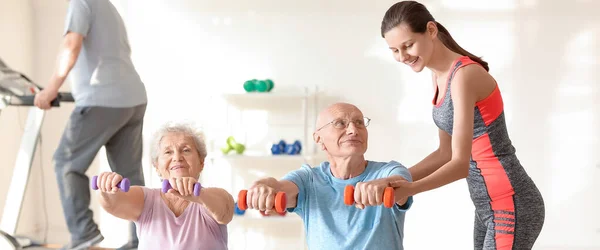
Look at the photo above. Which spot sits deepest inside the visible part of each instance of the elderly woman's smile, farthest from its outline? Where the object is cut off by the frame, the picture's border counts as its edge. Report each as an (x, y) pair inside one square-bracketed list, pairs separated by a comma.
[(178, 156), (178, 167)]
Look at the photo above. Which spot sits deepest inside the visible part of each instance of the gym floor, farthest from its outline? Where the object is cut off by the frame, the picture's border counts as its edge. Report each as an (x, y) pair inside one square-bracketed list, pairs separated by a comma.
[(48, 247)]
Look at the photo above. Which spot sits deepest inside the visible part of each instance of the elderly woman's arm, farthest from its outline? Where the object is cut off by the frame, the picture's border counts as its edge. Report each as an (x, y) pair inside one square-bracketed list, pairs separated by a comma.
[(218, 202), (127, 206), (124, 205)]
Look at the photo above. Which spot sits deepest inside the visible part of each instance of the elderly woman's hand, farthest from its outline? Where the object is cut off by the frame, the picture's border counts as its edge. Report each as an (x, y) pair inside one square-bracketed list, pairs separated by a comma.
[(261, 195), (108, 182), (182, 186)]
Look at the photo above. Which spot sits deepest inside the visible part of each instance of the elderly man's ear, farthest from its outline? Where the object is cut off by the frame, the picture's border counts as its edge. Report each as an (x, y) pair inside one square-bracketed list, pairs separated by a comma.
[(319, 141)]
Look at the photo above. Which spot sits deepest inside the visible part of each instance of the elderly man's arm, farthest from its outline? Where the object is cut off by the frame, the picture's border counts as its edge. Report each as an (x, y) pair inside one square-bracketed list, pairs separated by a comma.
[(218, 202), (291, 192)]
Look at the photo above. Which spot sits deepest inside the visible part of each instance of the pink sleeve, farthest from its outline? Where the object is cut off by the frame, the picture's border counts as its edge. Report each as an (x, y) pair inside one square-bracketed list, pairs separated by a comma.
[(146, 215)]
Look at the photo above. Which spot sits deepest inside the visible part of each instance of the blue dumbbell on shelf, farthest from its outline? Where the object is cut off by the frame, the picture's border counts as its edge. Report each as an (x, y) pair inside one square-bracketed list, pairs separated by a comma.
[(289, 149)]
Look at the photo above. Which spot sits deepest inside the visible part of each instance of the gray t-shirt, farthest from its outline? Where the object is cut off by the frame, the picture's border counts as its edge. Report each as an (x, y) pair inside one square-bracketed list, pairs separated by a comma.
[(104, 74)]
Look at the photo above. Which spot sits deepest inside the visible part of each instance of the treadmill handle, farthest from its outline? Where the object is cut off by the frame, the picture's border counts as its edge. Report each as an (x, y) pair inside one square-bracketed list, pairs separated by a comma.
[(29, 99)]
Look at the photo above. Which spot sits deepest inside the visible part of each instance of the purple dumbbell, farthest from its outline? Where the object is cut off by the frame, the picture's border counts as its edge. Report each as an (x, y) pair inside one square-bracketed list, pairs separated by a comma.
[(123, 184), (166, 186)]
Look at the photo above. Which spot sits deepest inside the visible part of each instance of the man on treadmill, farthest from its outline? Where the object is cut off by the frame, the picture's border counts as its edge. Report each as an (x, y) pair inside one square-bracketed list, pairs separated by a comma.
[(110, 104)]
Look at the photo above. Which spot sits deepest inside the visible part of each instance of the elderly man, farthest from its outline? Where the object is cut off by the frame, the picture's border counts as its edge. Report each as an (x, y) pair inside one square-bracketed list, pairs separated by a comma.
[(317, 194)]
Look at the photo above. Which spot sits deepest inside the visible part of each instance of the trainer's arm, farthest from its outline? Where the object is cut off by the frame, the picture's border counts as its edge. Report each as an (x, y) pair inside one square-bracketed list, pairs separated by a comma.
[(400, 200), (435, 160)]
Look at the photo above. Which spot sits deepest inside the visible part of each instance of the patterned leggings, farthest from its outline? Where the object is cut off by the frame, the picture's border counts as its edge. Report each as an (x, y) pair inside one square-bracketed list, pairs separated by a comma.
[(503, 229)]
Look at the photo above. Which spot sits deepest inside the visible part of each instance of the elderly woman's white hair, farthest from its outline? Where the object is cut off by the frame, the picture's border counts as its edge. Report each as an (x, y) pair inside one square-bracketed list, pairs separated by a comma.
[(171, 127)]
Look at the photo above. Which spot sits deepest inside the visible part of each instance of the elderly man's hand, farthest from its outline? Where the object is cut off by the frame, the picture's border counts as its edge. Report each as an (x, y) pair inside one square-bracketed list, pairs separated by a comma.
[(370, 193), (261, 195), (182, 186)]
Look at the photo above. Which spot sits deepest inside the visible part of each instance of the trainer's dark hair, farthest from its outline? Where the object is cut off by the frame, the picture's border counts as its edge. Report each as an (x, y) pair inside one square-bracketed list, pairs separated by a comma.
[(416, 16)]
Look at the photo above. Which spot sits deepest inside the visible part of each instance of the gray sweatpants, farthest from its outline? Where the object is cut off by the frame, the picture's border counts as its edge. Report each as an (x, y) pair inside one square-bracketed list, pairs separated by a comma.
[(119, 130)]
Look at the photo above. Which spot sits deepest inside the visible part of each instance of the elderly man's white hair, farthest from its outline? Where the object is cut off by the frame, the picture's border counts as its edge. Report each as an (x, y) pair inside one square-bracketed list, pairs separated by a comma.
[(172, 127)]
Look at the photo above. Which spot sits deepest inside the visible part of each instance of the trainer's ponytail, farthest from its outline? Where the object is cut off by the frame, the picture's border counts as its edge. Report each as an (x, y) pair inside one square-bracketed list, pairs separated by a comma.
[(416, 16), (449, 42)]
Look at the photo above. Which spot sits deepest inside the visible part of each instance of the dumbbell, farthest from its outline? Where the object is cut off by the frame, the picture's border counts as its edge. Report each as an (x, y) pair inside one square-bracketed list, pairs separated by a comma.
[(124, 184), (166, 186), (283, 148), (237, 210), (388, 196), (258, 85), (233, 145), (278, 148), (280, 202)]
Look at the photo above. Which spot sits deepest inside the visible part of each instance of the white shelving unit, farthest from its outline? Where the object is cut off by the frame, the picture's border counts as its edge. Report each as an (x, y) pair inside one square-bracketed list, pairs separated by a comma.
[(266, 101), (250, 119)]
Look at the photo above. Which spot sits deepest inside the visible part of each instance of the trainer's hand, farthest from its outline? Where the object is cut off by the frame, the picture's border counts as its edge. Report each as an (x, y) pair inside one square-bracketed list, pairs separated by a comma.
[(182, 187), (261, 195), (108, 182), (402, 190), (370, 193), (44, 98)]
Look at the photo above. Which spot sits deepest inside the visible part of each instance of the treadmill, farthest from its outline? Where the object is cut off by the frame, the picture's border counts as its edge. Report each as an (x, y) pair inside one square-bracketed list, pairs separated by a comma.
[(18, 90)]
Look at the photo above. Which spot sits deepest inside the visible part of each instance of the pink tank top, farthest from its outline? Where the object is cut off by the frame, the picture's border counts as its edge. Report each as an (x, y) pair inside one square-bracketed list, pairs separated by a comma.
[(159, 229)]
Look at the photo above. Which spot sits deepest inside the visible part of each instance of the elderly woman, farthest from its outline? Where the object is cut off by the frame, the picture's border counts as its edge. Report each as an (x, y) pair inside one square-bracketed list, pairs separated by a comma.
[(177, 219)]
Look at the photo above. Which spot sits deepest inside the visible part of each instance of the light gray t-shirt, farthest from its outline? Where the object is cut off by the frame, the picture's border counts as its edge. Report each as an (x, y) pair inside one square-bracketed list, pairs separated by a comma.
[(104, 74)]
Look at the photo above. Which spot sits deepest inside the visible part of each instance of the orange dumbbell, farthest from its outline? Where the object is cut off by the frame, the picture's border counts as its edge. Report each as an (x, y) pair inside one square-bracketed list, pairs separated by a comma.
[(280, 202), (388, 196)]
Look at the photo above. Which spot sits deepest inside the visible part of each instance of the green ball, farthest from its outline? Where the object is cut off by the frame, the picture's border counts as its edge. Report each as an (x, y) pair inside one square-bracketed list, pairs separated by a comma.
[(249, 86), (269, 85), (261, 86)]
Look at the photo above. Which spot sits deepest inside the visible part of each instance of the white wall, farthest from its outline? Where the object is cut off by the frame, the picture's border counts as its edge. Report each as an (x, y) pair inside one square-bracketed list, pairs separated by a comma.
[(188, 50), (550, 48), (16, 50)]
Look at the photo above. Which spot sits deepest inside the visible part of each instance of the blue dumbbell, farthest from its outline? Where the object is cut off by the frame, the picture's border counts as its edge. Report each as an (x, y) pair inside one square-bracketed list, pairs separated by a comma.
[(281, 145), (278, 148), (283, 148), (275, 149), (299, 145), (290, 149), (238, 211)]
